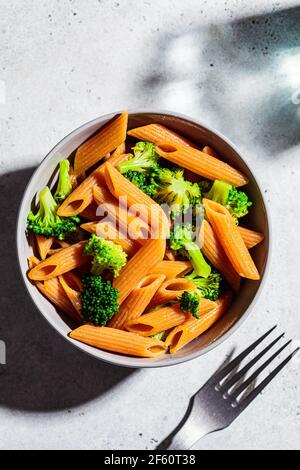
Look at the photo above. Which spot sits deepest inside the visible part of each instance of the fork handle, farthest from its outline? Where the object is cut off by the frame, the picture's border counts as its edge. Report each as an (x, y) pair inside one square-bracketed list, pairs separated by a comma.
[(186, 437)]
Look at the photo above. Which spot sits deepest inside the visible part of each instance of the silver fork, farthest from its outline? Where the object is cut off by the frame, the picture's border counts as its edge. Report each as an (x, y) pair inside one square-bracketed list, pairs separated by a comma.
[(215, 406)]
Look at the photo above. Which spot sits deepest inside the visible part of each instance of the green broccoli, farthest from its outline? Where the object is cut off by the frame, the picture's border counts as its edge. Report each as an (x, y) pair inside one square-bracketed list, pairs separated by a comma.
[(64, 186), (160, 336), (144, 159), (190, 301), (99, 300), (143, 181), (106, 255), (183, 238), (234, 200), (46, 222), (210, 287), (172, 189)]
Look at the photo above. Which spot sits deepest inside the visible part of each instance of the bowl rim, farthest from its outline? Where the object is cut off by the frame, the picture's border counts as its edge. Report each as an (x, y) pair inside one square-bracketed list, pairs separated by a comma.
[(121, 360)]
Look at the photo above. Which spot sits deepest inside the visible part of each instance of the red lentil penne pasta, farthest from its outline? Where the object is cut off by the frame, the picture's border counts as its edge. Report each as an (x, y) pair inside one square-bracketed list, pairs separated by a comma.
[(250, 237), (165, 318), (90, 212), (169, 255), (148, 210), (210, 151), (159, 320), (193, 327), (201, 163), (111, 339), (171, 269), (65, 260), (56, 246), (137, 301), (213, 251), (107, 139), (43, 245), (231, 240), (53, 290), (156, 133), (170, 290), (120, 150), (127, 221), (108, 231), (138, 266), (72, 286), (82, 196), (32, 261)]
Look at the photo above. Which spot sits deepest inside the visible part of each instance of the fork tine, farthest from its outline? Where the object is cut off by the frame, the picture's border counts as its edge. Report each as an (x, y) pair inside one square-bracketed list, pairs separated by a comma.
[(233, 364), (255, 374), (236, 377), (267, 380)]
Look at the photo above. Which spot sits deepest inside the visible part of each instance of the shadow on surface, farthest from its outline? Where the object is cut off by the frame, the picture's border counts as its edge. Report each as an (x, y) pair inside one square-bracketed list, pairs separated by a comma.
[(242, 77), (43, 372)]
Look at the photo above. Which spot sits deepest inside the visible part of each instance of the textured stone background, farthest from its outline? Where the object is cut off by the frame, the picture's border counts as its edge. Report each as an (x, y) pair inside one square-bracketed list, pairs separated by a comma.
[(234, 65)]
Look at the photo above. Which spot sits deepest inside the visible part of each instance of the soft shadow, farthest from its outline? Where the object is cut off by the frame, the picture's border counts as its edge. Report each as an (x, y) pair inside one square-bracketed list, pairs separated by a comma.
[(242, 77), (43, 372)]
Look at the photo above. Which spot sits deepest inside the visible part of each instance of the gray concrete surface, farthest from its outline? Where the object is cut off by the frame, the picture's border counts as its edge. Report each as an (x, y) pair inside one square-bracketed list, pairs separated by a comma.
[(235, 65)]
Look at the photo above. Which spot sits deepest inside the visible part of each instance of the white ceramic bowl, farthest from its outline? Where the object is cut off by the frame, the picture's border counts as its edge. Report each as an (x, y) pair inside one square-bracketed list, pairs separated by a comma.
[(258, 220)]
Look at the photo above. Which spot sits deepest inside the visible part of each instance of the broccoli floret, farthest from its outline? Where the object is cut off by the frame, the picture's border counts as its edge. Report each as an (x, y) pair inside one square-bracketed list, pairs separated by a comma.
[(234, 200), (205, 186), (210, 287), (144, 159), (99, 300), (143, 181), (106, 255), (183, 238), (46, 222), (172, 189), (64, 186), (160, 336), (190, 301)]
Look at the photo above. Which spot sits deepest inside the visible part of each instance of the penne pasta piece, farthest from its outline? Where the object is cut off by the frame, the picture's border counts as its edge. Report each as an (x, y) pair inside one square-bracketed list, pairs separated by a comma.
[(165, 318), (111, 339), (250, 237), (65, 260), (43, 245), (129, 223), (72, 286), (105, 140), (231, 240), (108, 231), (74, 181), (201, 163), (147, 209), (90, 212), (193, 327), (169, 255), (170, 290), (56, 246), (137, 301), (159, 320), (156, 133), (213, 251), (32, 261), (138, 266), (53, 290), (82, 196), (171, 269), (210, 151), (120, 150)]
